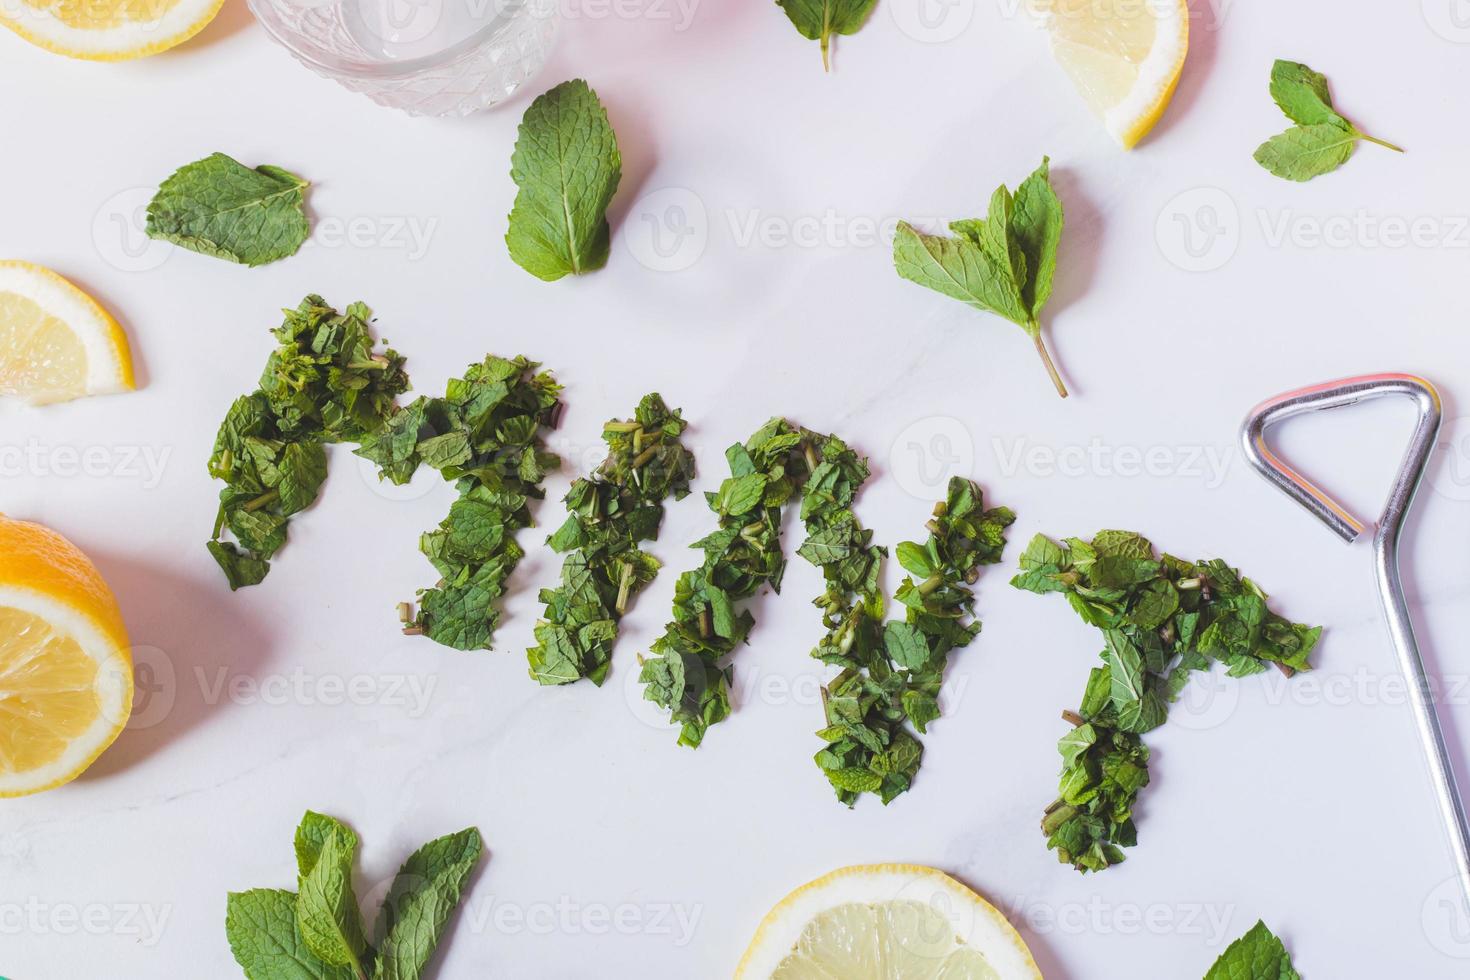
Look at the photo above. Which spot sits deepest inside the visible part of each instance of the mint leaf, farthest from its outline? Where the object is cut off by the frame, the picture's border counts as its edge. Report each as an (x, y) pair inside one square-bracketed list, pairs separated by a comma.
[(1322, 140), (818, 20), (1258, 955), (1004, 264), (1302, 94), (261, 927), (423, 894), (326, 908), (219, 207), (312, 836), (567, 166), (1304, 152)]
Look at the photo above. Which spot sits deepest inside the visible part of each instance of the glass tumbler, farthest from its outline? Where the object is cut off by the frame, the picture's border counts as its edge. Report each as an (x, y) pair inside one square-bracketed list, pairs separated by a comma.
[(426, 57)]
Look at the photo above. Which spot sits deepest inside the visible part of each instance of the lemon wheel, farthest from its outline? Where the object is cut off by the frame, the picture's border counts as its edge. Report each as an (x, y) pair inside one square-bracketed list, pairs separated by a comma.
[(886, 922), (108, 30), (66, 676), (56, 343)]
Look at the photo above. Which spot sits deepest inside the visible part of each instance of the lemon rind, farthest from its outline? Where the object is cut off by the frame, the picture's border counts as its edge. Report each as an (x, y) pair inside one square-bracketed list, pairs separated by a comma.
[(176, 26)]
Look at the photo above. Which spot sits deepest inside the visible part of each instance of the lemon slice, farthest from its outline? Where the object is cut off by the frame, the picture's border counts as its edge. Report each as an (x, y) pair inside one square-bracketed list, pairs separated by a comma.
[(108, 30), (1124, 56), (56, 343), (66, 676), (886, 922)]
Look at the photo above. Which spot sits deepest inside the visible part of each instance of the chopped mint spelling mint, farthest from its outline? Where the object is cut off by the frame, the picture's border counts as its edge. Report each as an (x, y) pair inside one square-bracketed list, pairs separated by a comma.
[(317, 932)]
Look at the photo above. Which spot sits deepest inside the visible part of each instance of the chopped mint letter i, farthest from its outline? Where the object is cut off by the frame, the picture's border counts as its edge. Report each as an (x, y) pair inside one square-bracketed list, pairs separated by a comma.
[(1162, 618), (611, 513), (316, 932), (1003, 264), (325, 382), (485, 434)]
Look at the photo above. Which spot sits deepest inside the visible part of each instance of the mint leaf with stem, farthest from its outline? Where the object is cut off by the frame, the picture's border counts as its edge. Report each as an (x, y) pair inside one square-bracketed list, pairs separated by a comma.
[(818, 20), (566, 167), (1322, 140), (418, 904), (326, 907), (1258, 955), (1162, 619), (1004, 264), (611, 512), (219, 207)]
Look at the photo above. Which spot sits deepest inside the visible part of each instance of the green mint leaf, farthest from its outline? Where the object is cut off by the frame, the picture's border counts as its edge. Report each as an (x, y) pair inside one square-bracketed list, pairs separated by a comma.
[(567, 166), (1302, 94), (219, 207), (240, 570), (261, 927), (423, 894), (303, 471), (312, 836), (1304, 152), (1322, 140), (1004, 265), (818, 20), (326, 908), (1258, 955)]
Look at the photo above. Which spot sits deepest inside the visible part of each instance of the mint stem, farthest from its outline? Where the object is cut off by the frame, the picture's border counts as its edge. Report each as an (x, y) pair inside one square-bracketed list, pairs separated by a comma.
[(1385, 143), (1051, 368)]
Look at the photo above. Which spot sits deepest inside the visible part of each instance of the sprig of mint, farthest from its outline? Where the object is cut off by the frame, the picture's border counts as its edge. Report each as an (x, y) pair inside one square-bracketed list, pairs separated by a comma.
[(1321, 141), (686, 673), (1004, 264), (220, 207), (485, 434), (325, 382), (316, 932), (567, 167), (1258, 955), (1162, 619), (891, 673), (611, 512), (818, 20)]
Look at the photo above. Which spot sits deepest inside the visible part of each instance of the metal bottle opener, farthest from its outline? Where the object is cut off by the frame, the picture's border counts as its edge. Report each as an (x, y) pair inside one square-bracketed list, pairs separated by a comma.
[(1334, 394)]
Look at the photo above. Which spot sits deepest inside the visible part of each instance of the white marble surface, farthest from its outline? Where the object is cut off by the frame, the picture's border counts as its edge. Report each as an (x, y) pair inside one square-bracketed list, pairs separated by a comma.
[(613, 852)]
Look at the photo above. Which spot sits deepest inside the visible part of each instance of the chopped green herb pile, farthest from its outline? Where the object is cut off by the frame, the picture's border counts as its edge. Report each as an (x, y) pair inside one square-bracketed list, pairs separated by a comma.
[(566, 166), (1258, 955), (486, 435), (1161, 619), (317, 932), (1321, 141), (686, 675), (612, 511), (220, 207), (326, 382), (818, 20), (1004, 264), (891, 673)]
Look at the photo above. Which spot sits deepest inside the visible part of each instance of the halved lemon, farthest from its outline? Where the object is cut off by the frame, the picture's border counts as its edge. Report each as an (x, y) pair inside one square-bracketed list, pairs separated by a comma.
[(108, 30), (56, 343), (66, 676), (1123, 56), (886, 922)]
